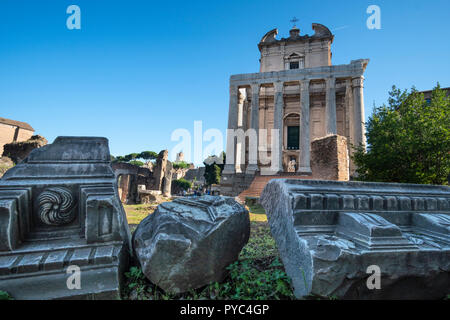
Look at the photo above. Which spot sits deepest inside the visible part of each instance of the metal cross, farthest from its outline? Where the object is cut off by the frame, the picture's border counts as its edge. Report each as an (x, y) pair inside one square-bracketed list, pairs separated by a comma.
[(294, 20)]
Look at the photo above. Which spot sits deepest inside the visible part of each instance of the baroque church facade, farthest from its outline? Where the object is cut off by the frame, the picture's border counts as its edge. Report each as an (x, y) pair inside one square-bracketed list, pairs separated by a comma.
[(299, 93)]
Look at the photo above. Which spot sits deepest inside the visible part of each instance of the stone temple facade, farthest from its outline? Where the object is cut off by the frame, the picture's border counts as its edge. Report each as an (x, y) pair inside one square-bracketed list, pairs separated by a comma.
[(300, 94)]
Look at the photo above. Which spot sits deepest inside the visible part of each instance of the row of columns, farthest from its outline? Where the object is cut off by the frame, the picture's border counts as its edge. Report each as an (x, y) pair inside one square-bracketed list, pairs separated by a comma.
[(356, 122)]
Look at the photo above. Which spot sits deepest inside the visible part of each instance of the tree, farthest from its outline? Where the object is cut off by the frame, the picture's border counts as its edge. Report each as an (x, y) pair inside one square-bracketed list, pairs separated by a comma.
[(148, 155), (132, 158), (181, 165), (408, 140), (182, 184), (136, 163), (213, 168)]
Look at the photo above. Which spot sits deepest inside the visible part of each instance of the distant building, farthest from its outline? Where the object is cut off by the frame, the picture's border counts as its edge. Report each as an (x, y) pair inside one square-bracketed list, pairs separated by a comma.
[(427, 93), (13, 131)]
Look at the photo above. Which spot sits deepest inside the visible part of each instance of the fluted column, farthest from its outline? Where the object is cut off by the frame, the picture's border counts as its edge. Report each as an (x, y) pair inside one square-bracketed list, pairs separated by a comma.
[(304, 165), (330, 106), (359, 137), (254, 125), (278, 120), (232, 126), (240, 145), (350, 116)]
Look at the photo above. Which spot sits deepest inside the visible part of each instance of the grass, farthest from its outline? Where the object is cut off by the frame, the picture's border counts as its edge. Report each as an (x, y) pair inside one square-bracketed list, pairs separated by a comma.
[(137, 212)]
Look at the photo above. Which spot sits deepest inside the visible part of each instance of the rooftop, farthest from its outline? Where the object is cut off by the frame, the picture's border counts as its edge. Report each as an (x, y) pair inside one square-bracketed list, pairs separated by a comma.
[(15, 123)]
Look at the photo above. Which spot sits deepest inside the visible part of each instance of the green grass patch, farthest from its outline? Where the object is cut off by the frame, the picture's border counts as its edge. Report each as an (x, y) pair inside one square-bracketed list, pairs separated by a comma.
[(137, 212)]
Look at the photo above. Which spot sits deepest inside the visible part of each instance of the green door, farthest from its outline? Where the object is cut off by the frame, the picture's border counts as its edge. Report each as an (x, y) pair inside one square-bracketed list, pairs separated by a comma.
[(293, 137)]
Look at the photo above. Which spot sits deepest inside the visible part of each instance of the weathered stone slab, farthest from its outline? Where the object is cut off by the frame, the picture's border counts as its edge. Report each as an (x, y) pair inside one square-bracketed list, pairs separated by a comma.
[(188, 243), (329, 233), (59, 208)]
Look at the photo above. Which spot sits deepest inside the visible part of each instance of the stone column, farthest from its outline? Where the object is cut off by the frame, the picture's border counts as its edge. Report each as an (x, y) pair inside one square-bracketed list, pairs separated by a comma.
[(278, 120), (330, 106), (232, 125), (240, 145), (350, 115), (305, 145), (359, 137), (254, 125)]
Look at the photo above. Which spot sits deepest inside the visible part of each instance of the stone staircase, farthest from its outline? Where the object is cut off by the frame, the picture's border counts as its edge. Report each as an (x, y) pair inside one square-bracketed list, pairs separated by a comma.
[(260, 182)]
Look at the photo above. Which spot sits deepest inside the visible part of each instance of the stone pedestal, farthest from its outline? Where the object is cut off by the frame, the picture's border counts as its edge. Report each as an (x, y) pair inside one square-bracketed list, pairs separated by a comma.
[(60, 211)]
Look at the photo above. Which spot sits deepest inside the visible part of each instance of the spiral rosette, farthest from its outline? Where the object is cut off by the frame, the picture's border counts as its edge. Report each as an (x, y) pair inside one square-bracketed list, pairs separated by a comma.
[(55, 206)]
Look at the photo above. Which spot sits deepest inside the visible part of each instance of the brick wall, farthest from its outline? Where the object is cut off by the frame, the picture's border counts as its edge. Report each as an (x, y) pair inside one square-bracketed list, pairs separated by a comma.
[(329, 158)]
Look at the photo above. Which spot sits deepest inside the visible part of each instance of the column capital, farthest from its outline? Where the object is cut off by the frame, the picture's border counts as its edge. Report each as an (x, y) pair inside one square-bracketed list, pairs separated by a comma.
[(233, 89), (278, 86), (304, 84), (348, 82), (242, 95), (330, 82), (358, 81), (255, 87)]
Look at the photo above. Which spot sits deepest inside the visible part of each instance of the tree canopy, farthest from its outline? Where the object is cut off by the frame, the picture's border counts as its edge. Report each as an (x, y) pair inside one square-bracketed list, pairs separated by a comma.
[(133, 157), (408, 139), (213, 168)]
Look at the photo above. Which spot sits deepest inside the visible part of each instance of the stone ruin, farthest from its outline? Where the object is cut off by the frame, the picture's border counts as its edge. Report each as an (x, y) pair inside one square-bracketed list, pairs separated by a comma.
[(59, 208), (333, 235), (189, 243), (330, 159), (143, 184), (17, 151)]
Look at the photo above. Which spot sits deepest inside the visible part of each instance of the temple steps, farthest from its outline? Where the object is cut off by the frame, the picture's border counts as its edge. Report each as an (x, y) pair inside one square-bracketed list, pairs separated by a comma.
[(260, 182)]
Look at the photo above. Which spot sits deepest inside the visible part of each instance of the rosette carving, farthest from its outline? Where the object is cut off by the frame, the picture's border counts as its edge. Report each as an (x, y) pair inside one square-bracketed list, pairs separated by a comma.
[(55, 206)]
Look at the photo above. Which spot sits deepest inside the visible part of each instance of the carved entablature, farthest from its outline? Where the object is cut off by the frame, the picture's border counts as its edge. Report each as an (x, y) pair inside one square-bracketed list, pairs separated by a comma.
[(367, 208), (334, 230)]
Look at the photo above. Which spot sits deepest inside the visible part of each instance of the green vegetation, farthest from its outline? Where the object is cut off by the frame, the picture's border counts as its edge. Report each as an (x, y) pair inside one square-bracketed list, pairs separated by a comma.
[(5, 295), (137, 212), (258, 274), (408, 139), (182, 184), (132, 158), (213, 168), (136, 163), (181, 165)]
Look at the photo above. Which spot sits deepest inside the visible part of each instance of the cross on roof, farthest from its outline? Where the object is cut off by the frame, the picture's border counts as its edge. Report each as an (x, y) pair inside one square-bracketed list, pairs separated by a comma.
[(294, 21)]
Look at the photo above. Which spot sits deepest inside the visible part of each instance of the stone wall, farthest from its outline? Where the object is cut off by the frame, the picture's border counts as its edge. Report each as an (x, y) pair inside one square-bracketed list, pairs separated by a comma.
[(129, 176), (17, 151), (11, 131), (329, 158)]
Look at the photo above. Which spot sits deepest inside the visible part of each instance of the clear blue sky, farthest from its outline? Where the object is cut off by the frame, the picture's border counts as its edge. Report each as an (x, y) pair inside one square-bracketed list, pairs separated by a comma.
[(137, 70)]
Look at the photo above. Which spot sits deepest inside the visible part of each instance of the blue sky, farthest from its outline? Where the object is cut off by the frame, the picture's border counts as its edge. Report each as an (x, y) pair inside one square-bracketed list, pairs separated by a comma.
[(137, 70)]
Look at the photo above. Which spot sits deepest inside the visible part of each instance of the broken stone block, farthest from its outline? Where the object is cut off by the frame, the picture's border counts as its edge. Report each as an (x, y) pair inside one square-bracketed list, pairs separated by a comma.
[(333, 238), (59, 213), (188, 243)]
